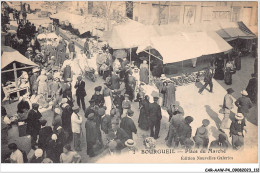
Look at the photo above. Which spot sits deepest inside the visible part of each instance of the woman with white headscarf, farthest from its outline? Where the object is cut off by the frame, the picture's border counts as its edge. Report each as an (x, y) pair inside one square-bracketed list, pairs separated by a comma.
[(144, 72), (54, 149), (38, 156)]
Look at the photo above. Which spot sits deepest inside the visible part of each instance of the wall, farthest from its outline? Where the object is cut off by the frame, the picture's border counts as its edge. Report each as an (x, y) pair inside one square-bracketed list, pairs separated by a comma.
[(195, 12)]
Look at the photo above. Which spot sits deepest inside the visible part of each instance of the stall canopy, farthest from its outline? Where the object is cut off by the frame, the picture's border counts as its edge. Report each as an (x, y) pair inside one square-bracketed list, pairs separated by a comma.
[(81, 23), (183, 46), (126, 35), (10, 55)]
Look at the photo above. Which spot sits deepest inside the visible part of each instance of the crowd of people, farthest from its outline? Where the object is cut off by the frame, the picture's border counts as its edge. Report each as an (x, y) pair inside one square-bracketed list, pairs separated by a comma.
[(59, 83)]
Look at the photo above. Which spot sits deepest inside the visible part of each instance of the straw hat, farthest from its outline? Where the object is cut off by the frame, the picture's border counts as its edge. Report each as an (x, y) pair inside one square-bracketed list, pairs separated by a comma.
[(75, 107), (64, 100), (130, 143), (239, 116), (54, 137), (57, 111)]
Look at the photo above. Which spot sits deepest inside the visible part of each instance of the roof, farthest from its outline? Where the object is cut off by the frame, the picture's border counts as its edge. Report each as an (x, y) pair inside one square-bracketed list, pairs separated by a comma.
[(10, 55), (183, 46)]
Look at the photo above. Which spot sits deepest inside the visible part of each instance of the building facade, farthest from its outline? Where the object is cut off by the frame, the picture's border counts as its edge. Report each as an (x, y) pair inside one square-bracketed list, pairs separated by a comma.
[(167, 12)]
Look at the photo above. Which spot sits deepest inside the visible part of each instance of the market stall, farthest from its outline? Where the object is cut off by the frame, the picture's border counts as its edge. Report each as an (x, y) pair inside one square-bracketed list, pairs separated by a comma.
[(13, 62)]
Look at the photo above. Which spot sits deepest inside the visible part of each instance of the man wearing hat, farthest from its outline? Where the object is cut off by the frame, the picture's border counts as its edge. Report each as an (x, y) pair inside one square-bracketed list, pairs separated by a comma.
[(91, 109), (237, 128), (227, 106), (155, 118), (201, 137), (98, 98), (66, 118), (207, 80), (144, 72), (33, 123), (244, 104), (91, 134), (252, 88), (184, 131), (86, 47), (128, 124), (220, 143), (80, 92), (175, 109), (175, 121), (122, 87), (118, 100), (76, 120)]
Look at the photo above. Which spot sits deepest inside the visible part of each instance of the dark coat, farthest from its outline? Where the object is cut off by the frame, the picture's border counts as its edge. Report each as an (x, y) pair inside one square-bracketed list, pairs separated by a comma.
[(217, 145), (115, 81), (23, 105), (98, 99), (129, 126), (54, 150), (121, 135), (66, 118), (184, 131), (67, 73), (33, 123), (57, 121), (155, 112), (80, 92), (235, 127), (86, 47), (106, 123), (91, 131), (244, 104), (44, 136), (89, 110), (252, 89)]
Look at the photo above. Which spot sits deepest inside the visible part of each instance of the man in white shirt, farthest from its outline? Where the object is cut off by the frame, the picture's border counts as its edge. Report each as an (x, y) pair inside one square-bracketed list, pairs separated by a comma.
[(16, 155), (76, 121)]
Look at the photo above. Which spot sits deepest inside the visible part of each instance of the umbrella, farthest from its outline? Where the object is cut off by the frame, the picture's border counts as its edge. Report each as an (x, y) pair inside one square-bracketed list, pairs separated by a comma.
[(120, 54), (42, 36), (11, 31)]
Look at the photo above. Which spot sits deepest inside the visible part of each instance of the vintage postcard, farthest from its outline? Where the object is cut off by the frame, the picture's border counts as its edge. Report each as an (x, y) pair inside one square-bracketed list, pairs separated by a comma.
[(129, 82)]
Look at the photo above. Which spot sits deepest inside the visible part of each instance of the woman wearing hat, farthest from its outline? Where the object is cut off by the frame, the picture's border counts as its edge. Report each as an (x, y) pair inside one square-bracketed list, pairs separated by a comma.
[(56, 122), (144, 72), (237, 128), (126, 104), (201, 137), (252, 88), (227, 106)]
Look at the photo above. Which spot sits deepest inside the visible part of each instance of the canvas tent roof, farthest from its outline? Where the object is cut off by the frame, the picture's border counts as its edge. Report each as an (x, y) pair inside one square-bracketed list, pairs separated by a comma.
[(126, 35), (180, 47), (10, 55)]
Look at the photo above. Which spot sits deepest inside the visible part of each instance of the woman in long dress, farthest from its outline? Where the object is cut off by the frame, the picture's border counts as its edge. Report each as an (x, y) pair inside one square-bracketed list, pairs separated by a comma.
[(144, 113), (228, 73), (163, 90), (144, 72), (170, 95), (219, 71)]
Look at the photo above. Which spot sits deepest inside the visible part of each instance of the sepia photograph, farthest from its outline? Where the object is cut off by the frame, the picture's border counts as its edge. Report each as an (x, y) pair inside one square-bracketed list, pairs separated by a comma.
[(129, 82)]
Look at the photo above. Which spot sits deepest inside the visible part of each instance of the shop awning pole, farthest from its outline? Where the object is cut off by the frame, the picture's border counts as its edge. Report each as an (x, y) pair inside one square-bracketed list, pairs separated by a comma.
[(16, 79), (153, 55), (130, 55), (149, 66)]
